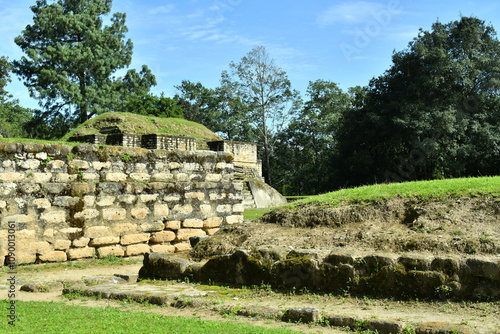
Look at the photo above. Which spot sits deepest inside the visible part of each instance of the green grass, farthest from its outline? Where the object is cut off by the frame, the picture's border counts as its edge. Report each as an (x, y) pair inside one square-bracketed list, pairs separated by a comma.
[(39, 141), (52, 317), (419, 190), (252, 214)]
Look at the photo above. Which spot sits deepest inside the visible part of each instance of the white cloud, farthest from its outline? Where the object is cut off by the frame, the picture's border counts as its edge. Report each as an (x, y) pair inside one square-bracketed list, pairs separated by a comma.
[(162, 10), (353, 12)]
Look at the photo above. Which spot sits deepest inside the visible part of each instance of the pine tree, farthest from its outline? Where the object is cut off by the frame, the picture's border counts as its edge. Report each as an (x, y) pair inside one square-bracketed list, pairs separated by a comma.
[(71, 58)]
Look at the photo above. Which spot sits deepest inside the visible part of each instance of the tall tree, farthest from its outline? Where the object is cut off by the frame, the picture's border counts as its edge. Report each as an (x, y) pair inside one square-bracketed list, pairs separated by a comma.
[(434, 113), (71, 57), (266, 90), (4, 77)]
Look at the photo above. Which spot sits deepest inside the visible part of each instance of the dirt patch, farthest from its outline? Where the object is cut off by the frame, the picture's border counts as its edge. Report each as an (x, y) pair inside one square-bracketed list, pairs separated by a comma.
[(455, 227)]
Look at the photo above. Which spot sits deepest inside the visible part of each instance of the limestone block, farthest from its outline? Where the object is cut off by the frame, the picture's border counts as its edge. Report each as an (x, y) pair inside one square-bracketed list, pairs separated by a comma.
[(82, 242), (192, 223), (238, 186), (116, 177), (62, 244), (105, 200), (130, 239), (97, 165), (161, 211), (123, 228), (3, 204), (141, 167), (127, 199), (87, 214), (41, 177), (139, 213), (11, 177), (110, 188), (42, 247), (212, 231), (53, 216), (152, 226), (158, 185), (148, 198), (25, 257), (195, 195), (42, 203), (162, 177), (65, 201), (8, 189), (182, 246), (221, 209), (67, 232), (135, 250), (238, 208), (173, 225), (162, 237), (172, 198), (162, 249), (217, 196), (234, 219), (80, 189), (212, 222), (95, 232), (110, 251), (77, 164), (183, 209), (55, 256), (114, 214), (91, 177), (175, 165), (56, 164), (104, 241), (89, 200), (65, 178), (181, 177), (80, 253), (30, 164), (213, 178), (48, 234), (185, 234), (206, 211), (140, 177)]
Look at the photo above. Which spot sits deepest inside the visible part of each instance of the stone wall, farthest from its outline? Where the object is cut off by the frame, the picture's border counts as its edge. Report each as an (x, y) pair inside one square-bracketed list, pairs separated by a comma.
[(245, 156), (70, 203)]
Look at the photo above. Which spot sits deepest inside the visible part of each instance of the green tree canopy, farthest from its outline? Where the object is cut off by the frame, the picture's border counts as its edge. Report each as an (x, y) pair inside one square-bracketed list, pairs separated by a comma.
[(434, 113), (71, 58)]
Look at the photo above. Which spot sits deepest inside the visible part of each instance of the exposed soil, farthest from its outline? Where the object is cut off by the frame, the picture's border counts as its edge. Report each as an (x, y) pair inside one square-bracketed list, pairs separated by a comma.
[(461, 228)]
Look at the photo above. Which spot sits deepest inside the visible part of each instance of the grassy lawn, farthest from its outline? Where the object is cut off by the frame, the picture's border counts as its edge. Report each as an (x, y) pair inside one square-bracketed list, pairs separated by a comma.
[(420, 190), (52, 317)]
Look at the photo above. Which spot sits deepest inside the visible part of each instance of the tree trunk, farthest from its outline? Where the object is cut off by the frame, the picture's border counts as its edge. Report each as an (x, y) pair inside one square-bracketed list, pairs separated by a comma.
[(266, 148)]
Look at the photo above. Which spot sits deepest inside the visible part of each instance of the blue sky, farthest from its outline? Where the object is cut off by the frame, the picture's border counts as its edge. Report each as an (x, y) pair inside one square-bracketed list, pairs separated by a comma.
[(347, 42)]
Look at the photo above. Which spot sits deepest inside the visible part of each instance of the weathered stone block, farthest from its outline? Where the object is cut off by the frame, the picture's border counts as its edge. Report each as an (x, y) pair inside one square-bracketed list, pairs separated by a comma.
[(304, 315), (224, 209), (213, 178), (148, 198), (163, 236), (114, 214), (97, 165), (130, 239), (127, 199), (62, 244), (185, 234), (116, 177), (80, 253), (110, 251), (162, 249), (135, 250), (77, 164), (173, 225), (65, 178), (41, 177), (8, 189), (56, 164), (65, 201), (81, 189), (212, 231), (105, 200), (55, 256), (140, 177), (30, 164), (11, 177), (152, 226), (88, 214), (42, 203), (182, 246), (231, 220), (161, 211), (212, 222), (123, 228), (95, 232), (193, 223), (53, 216), (104, 241), (195, 195), (162, 177), (139, 213), (82, 242)]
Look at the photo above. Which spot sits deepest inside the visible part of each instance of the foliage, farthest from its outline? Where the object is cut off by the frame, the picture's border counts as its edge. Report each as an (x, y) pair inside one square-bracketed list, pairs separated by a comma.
[(13, 119), (303, 151), (144, 103), (265, 90), (36, 317), (70, 59), (433, 114), (5, 68)]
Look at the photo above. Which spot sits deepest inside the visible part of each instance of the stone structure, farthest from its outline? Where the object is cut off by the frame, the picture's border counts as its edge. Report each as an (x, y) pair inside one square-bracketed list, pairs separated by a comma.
[(245, 156), (68, 203)]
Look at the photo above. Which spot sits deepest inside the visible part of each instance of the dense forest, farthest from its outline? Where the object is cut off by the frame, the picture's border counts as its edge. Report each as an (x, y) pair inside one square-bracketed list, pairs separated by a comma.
[(435, 113)]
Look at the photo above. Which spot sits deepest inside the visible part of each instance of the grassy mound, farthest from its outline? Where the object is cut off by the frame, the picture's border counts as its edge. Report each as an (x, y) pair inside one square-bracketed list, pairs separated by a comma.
[(140, 125)]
